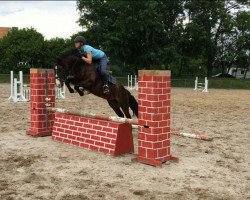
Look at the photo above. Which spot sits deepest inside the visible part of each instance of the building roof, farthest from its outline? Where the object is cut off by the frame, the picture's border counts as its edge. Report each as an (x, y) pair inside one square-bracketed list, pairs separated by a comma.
[(4, 31)]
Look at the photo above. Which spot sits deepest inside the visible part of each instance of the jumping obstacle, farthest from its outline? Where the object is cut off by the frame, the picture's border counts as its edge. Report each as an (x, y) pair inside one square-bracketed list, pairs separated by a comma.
[(132, 82), (19, 92), (201, 86), (191, 135), (105, 133), (16, 88), (183, 134), (94, 116)]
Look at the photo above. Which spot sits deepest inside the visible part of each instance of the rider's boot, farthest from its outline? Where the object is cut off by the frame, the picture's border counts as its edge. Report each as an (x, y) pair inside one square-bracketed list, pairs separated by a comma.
[(105, 79)]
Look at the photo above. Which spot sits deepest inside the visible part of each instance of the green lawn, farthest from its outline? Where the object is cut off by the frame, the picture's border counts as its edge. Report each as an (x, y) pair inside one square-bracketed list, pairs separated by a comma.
[(223, 83)]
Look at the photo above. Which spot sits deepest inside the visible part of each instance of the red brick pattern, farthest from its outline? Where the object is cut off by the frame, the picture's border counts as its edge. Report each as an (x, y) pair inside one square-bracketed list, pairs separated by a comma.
[(98, 135), (39, 126), (154, 117)]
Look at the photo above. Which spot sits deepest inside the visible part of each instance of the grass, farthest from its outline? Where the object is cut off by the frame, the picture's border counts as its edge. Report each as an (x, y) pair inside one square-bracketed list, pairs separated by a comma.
[(5, 78), (222, 83)]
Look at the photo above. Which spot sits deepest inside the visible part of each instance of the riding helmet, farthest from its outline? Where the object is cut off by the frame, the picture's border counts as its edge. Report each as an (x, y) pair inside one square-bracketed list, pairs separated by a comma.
[(80, 39)]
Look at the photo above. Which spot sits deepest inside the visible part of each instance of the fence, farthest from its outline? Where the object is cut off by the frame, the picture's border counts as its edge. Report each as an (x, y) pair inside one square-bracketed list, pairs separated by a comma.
[(220, 83)]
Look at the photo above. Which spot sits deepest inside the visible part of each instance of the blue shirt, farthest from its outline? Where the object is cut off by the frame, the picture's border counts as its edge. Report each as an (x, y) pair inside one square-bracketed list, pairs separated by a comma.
[(96, 53)]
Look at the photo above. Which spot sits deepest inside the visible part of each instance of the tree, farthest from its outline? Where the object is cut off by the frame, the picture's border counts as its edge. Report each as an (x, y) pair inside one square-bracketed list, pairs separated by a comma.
[(21, 49), (234, 44), (137, 33), (55, 47), (214, 33), (23, 45)]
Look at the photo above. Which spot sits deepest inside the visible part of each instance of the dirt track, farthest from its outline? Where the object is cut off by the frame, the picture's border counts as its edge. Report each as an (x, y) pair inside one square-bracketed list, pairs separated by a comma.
[(39, 168)]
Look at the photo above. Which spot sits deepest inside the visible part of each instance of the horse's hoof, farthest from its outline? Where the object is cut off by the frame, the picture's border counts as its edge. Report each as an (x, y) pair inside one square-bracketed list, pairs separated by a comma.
[(71, 91), (81, 93)]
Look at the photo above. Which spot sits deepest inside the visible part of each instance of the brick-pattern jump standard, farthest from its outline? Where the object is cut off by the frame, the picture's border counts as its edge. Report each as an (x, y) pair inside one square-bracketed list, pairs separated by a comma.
[(154, 117), (39, 125)]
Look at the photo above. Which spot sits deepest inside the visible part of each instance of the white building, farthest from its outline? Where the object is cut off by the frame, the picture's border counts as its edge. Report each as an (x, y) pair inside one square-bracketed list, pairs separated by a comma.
[(239, 72)]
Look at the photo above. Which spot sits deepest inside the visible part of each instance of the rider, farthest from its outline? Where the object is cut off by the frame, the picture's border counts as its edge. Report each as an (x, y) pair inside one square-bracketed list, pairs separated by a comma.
[(97, 55)]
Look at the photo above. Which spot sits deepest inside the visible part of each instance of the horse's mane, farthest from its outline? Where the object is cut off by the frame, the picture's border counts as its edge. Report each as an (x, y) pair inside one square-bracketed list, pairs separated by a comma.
[(73, 52)]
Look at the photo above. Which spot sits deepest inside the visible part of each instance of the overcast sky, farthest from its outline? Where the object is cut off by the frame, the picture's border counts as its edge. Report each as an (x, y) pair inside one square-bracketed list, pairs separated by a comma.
[(51, 18)]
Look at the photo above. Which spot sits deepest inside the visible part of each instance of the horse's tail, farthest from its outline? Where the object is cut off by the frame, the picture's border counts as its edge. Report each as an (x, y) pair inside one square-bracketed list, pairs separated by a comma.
[(133, 103)]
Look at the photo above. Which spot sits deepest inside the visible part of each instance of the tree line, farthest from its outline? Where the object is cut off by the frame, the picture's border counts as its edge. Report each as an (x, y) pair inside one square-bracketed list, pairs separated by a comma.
[(189, 37)]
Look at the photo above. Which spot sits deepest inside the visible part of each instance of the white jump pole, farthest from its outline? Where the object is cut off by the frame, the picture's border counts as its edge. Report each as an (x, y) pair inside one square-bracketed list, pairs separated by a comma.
[(131, 81), (21, 92), (15, 99), (128, 81), (26, 92), (136, 83), (60, 92), (16, 87), (191, 135), (21, 98), (196, 83), (63, 91), (11, 86), (201, 86), (206, 85), (93, 115)]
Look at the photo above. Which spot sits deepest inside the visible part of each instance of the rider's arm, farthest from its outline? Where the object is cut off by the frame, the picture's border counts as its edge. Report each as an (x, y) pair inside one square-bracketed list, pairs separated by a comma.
[(89, 57)]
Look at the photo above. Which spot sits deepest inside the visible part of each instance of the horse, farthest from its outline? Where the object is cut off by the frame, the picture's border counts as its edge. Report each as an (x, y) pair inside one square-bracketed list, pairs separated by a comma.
[(71, 68)]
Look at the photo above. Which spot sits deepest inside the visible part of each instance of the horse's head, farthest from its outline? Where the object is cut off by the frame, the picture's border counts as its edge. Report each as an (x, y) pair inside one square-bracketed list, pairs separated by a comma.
[(65, 65)]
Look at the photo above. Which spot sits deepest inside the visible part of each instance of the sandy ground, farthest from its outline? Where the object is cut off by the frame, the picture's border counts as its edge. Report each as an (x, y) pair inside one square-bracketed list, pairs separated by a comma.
[(39, 168)]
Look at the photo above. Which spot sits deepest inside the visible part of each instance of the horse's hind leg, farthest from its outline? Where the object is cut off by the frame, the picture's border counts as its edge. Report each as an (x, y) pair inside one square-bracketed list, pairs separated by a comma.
[(115, 106), (125, 109), (124, 102)]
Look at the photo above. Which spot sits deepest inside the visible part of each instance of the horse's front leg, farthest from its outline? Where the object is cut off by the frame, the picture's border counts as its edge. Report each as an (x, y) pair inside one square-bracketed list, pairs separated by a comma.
[(67, 83), (79, 89)]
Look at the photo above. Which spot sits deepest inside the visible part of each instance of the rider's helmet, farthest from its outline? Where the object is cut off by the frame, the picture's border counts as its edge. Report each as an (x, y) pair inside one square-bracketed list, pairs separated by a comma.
[(80, 38)]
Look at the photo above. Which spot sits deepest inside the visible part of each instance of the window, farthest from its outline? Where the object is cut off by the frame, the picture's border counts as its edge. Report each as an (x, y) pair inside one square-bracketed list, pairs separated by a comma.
[(242, 72)]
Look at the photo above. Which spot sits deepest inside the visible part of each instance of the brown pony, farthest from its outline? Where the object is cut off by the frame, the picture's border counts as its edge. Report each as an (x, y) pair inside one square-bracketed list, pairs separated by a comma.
[(72, 69)]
